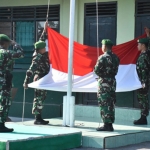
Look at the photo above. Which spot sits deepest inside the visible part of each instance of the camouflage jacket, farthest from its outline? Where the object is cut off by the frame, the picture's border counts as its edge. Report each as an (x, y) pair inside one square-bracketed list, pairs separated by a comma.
[(142, 67), (40, 66), (7, 58), (148, 52), (107, 65)]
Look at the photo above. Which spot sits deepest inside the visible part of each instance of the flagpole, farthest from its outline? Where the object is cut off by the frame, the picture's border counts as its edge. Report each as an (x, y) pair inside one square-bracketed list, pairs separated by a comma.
[(70, 60)]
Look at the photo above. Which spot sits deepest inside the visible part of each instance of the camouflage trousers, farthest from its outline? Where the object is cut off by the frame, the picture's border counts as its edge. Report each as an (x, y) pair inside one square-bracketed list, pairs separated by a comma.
[(142, 96), (106, 99), (39, 98), (5, 103)]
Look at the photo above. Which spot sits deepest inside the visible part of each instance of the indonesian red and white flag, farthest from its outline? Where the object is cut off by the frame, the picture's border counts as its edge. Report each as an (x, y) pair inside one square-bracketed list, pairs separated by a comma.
[(84, 60)]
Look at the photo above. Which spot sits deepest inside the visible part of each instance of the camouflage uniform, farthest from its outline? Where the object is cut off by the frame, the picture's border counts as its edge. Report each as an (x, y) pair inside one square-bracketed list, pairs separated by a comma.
[(6, 66), (142, 67), (148, 53), (39, 68), (106, 68)]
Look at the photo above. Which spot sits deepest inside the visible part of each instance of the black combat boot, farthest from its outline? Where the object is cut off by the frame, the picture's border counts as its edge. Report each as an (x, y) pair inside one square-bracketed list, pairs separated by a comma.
[(5, 129), (141, 121), (39, 120), (106, 127)]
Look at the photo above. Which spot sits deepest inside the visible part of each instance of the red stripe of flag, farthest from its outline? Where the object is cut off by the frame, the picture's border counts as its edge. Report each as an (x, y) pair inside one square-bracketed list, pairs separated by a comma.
[(85, 57)]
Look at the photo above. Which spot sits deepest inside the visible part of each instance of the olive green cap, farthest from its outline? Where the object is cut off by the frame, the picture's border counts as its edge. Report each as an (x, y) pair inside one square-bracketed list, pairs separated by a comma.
[(4, 37), (143, 40), (107, 42), (40, 45)]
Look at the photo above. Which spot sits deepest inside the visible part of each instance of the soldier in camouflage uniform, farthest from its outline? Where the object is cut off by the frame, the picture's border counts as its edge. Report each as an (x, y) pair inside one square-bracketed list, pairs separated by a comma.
[(143, 71), (11, 66), (106, 69), (6, 62), (39, 68)]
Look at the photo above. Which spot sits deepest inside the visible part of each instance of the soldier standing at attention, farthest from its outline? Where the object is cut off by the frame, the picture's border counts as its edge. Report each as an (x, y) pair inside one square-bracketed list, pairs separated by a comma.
[(142, 67), (39, 68), (106, 69), (6, 61)]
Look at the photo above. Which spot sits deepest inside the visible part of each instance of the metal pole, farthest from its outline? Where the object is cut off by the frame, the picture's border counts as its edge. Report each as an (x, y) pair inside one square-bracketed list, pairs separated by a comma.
[(24, 102), (70, 58), (64, 110), (72, 111), (97, 28)]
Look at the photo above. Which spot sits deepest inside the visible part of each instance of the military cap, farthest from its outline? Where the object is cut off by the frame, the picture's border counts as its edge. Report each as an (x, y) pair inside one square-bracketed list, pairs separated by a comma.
[(4, 37), (107, 42), (143, 40), (40, 45)]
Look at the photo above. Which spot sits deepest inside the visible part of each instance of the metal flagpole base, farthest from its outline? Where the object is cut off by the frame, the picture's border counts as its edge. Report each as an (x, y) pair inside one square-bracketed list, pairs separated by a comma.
[(64, 110), (72, 111)]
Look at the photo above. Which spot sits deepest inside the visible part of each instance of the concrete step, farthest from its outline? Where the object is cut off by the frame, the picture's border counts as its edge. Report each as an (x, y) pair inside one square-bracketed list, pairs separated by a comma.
[(30, 136), (123, 135), (87, 119), (123, 116)]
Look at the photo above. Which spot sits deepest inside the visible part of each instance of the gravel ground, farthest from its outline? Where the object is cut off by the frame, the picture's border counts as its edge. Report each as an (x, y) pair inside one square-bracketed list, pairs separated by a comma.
[(141, 146)]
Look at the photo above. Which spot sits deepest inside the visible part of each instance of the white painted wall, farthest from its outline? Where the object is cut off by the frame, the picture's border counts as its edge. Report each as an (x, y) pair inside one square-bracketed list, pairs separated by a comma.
[(125, 20)]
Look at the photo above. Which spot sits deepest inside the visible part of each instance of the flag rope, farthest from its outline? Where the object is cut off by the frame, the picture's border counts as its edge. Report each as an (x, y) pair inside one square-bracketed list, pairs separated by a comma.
[(24, 96), (47, 15), (97, 28), (97, 38), (47, 10)]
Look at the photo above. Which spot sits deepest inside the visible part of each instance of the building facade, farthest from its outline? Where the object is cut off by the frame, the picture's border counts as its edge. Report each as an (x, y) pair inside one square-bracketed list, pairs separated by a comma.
[(119, 20)]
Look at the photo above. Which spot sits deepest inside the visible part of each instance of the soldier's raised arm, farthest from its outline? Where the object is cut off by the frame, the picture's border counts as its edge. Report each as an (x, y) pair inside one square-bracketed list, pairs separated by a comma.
[(44, 33), (43, 36), (17, 52), (147, 31), (11, 54)]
